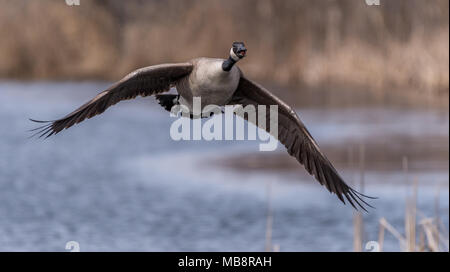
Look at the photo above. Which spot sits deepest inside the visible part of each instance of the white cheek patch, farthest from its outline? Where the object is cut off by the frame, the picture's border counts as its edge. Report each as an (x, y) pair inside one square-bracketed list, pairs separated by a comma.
[(233, 55)]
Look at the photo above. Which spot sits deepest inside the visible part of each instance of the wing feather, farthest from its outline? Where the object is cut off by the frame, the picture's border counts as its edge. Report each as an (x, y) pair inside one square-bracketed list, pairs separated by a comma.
[(142, 82), (292, 133)]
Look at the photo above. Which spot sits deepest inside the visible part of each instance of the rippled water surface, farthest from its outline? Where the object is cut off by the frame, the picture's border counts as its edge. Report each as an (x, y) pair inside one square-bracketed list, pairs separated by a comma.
[(119, 183)]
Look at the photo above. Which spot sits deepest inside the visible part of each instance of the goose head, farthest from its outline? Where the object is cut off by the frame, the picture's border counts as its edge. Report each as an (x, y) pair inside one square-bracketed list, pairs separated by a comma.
[(237, 52)]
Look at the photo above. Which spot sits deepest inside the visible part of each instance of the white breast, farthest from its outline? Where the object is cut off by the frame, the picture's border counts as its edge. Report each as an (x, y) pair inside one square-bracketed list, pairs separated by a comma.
[(211, 83)]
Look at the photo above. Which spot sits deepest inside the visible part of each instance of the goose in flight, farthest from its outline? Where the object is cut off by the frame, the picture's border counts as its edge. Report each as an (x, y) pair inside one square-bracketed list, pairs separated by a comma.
[(219, 82)]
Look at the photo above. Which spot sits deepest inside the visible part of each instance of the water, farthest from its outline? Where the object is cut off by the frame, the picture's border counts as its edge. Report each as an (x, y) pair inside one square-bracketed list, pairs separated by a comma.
[(119, 183)]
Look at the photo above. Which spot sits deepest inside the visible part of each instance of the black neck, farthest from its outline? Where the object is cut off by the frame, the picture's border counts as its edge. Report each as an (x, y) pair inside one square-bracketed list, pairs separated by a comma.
[(228, 64)]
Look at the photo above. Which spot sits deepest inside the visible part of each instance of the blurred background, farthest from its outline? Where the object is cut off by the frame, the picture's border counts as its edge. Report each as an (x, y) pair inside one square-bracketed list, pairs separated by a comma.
[(370, 82)]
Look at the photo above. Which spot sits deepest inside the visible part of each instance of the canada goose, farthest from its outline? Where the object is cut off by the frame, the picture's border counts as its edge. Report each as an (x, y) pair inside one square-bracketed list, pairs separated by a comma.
[(219, 82)]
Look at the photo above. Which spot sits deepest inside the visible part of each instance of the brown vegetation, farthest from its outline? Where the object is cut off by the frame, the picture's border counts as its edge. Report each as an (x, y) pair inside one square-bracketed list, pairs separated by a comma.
[(397, 45)]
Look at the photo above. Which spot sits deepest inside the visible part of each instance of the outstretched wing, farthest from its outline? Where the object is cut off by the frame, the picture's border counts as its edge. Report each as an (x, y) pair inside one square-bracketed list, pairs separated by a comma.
[(293, 134), (145, 81)]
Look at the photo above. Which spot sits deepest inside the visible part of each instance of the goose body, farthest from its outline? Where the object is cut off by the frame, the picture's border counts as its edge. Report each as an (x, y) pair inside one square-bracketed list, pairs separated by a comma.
[(209, 81), (217, 82)]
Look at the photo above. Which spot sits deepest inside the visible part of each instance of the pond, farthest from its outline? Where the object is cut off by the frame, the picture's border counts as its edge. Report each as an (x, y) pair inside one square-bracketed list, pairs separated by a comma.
[(118, 182)]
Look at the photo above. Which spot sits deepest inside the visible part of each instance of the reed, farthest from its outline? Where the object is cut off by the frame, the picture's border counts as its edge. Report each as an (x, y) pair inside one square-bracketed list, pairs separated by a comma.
[(429, 234), (358, 220)]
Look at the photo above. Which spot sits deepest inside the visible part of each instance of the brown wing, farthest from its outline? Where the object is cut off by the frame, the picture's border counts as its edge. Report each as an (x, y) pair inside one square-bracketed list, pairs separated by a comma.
[(145, 81), (293, 134)]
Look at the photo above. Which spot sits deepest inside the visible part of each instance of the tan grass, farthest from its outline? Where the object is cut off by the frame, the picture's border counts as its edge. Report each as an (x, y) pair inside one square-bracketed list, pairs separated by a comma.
[(400, 45)]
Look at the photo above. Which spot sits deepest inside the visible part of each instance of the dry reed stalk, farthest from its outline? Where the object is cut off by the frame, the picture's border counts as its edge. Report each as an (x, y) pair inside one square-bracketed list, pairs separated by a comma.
[(410, 220), (393, 231), (421, 240), (430, 231), (437, 212), (439, 237), (409, 211), (358, 231), (358, 220), (381, 237)]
